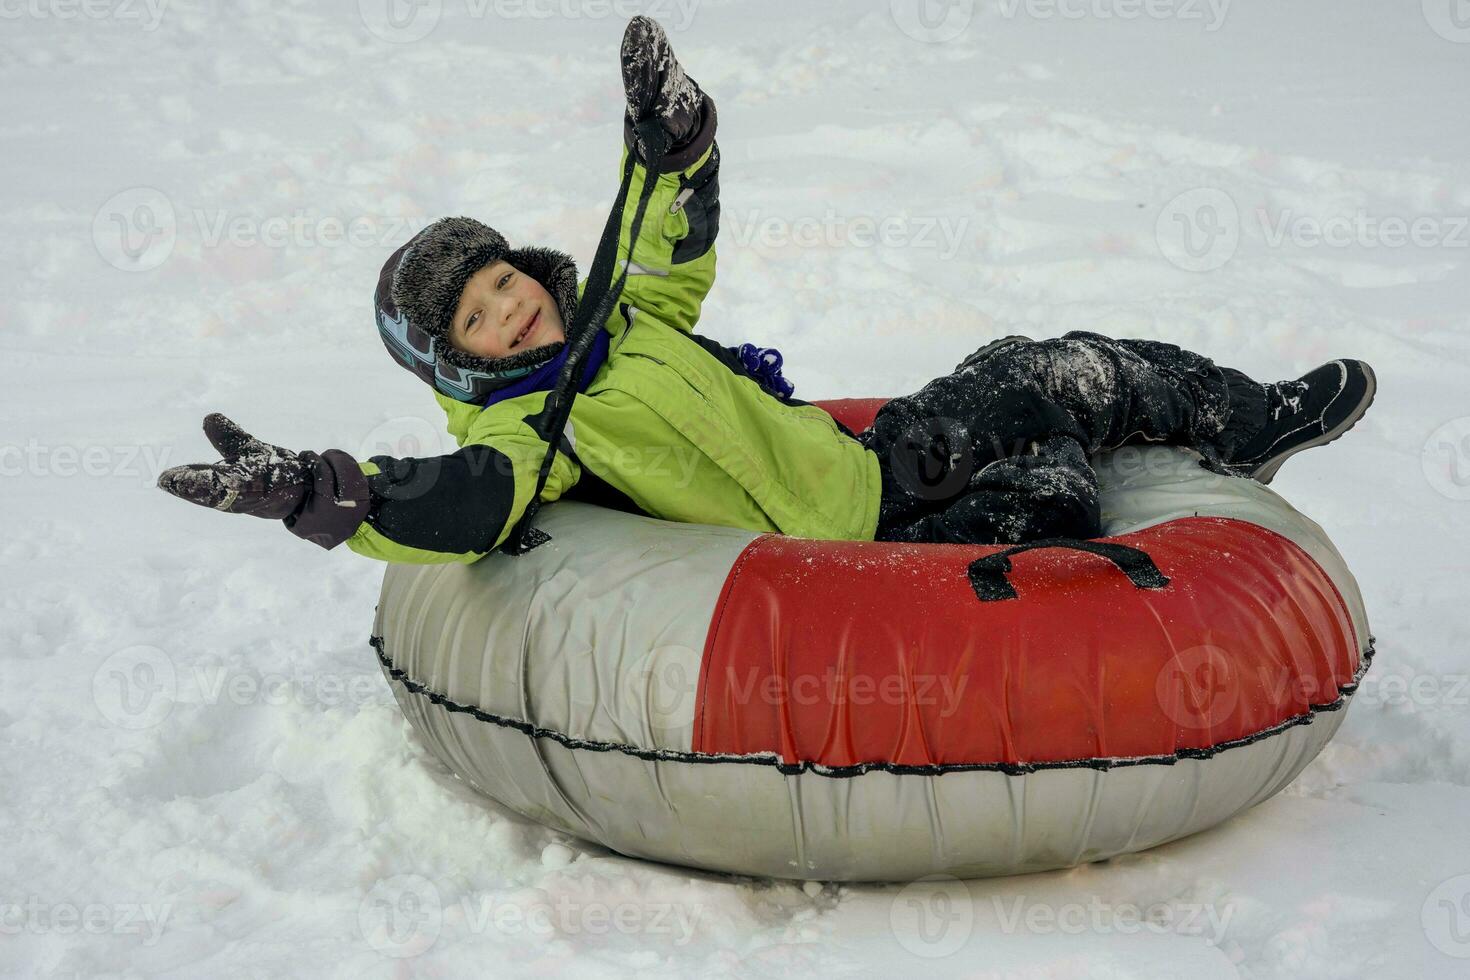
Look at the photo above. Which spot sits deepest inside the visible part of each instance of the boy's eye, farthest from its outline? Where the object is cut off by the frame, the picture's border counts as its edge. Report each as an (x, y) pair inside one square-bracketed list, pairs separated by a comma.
[(504, 279), (470, 323)]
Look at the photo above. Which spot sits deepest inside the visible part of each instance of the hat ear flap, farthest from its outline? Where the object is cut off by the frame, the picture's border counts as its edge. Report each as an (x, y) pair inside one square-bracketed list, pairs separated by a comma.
[(410, 347)]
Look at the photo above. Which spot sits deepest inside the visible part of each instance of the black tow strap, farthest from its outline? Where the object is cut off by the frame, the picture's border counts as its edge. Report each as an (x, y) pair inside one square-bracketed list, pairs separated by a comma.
[(598, 300), (988, 574)]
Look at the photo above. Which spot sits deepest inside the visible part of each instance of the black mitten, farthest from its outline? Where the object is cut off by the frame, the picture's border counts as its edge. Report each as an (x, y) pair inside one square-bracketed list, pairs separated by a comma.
[(320, 497), (657, 87)]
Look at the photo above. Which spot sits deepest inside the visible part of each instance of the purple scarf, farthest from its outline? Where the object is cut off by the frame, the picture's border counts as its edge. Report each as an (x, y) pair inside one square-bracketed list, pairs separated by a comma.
[(762, 363), (544, 377)]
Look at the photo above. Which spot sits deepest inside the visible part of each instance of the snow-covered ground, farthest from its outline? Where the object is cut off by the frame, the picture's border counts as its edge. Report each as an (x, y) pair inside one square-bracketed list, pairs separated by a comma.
[(203, 772)]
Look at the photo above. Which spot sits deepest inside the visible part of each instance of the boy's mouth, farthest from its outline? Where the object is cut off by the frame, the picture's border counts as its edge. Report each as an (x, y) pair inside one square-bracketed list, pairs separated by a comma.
[(527, 330)]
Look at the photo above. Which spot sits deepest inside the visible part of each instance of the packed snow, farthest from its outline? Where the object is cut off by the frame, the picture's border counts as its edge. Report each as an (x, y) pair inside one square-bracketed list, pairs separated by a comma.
[(204, 772)]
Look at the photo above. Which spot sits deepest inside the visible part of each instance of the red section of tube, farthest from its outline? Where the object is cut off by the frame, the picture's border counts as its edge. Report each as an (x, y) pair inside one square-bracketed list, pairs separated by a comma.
[(855, 413), (841, 653)]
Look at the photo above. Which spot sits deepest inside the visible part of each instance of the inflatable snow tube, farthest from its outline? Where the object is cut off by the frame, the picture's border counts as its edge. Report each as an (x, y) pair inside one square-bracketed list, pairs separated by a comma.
[(832, 710)]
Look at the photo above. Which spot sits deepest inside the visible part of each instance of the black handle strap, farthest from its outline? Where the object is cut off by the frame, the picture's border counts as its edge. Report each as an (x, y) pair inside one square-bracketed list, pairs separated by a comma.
[(598, 299), (988, 574)]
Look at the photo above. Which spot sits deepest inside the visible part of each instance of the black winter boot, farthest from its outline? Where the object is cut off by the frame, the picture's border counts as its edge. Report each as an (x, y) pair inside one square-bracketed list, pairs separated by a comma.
[(1311, 411)]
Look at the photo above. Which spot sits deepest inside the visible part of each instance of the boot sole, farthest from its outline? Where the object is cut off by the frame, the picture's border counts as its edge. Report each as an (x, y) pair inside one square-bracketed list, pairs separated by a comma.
[(1267, 471)]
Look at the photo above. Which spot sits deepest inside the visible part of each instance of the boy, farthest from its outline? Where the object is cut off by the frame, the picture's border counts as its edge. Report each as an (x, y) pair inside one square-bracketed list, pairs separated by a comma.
[(995, 452)]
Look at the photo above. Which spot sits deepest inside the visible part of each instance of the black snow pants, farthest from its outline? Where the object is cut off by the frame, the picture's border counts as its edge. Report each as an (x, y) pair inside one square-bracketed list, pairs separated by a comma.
[(997, 451)]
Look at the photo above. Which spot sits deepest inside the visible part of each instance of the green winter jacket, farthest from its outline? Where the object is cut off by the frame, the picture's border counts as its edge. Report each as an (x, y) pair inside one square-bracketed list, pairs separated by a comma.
[(670, 422)]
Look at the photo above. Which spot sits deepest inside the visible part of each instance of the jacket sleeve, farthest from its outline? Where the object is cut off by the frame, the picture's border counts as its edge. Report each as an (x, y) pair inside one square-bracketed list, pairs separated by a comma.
[(454, 508), (671, 266)]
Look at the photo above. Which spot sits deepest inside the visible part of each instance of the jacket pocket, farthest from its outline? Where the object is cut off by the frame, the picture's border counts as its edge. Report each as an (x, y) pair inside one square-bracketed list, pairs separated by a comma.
[(643, 338), (671, 369)]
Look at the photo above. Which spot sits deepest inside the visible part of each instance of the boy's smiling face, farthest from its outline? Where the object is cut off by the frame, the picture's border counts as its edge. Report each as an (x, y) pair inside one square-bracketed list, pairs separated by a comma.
[(502, 311)]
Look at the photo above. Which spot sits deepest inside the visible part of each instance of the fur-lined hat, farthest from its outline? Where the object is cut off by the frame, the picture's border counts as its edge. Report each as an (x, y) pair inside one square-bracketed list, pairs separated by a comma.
[(419, 289)]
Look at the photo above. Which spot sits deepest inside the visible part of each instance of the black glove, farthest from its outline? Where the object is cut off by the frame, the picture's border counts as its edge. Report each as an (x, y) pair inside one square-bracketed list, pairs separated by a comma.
[(253, 478), (321, 498), (656, 87)]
